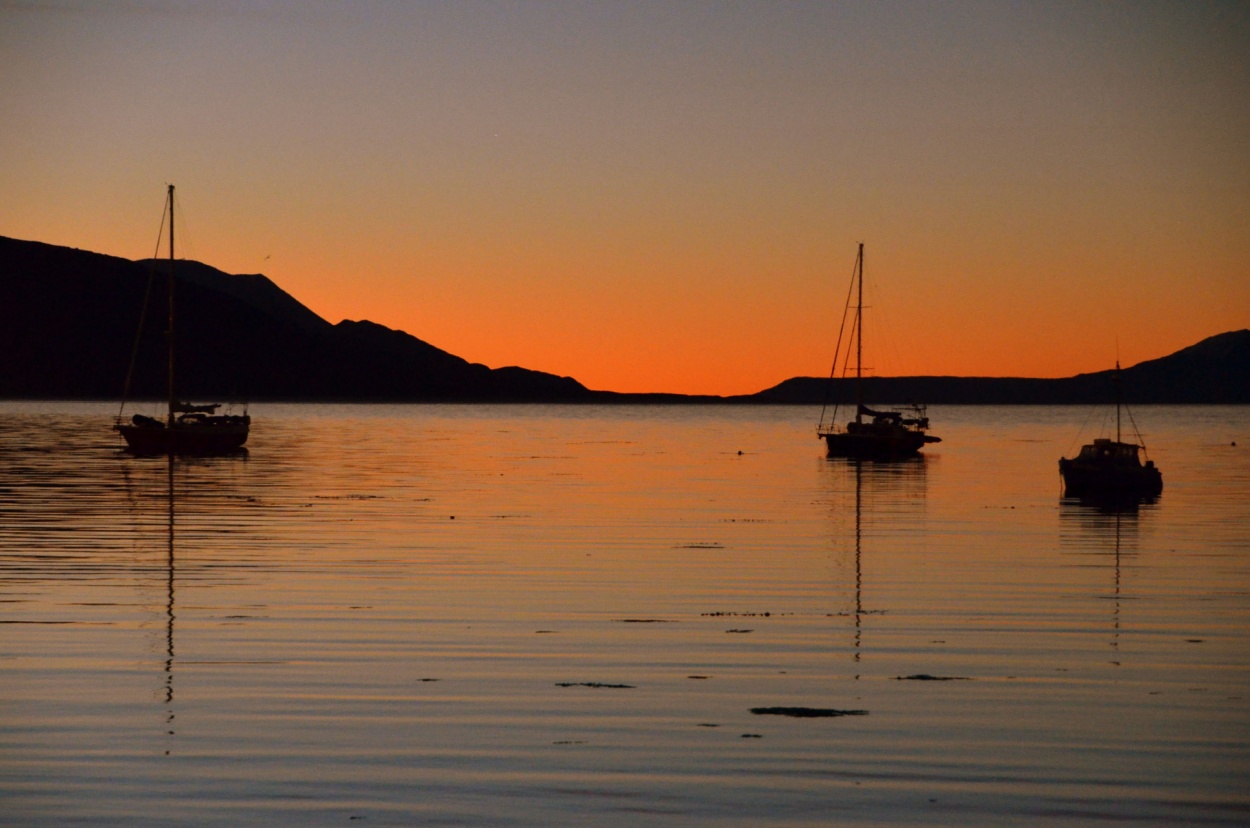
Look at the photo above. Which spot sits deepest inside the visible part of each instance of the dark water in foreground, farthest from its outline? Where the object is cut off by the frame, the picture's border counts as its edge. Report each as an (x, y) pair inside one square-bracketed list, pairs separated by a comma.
[(441, 615)]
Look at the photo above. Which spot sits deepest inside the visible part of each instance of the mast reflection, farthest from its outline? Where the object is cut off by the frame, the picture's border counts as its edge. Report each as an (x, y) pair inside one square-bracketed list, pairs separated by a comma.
[(169, 604), (1108, 532), (881, 491), (143, 492), (153, 489)]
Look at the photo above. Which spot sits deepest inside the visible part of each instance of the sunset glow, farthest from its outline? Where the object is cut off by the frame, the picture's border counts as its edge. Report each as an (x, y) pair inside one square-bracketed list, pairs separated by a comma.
[(654, 197)]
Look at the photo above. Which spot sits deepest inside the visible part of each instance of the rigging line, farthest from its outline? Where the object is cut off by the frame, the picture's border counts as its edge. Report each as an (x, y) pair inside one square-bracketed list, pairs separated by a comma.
[(143, 314), (885, 338), (1088, 417), (1141, 441), (846, 362), (833, 369), (187, 241)]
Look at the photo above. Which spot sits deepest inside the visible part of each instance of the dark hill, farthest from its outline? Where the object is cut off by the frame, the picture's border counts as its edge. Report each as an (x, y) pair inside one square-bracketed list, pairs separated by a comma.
[(1216, 370), (252, 288), (68, 320)]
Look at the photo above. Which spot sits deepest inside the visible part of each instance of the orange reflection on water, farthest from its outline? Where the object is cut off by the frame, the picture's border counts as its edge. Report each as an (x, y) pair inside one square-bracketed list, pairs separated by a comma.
[(482, 607)]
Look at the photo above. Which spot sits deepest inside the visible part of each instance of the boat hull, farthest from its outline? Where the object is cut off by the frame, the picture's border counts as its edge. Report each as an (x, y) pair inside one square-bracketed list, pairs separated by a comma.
[(1085, 480), (874, 445), (199, 439)]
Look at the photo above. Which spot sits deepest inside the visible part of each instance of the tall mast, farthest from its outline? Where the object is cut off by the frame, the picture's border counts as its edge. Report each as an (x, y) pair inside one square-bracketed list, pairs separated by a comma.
[(859, 339), (170, 378)]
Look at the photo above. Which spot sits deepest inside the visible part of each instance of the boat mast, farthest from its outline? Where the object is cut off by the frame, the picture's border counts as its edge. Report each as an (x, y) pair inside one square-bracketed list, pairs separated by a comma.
[(859, 339), (170, 378)]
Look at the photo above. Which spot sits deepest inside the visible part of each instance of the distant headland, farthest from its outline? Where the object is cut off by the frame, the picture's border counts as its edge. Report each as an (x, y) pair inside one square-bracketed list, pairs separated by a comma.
[(68, 320)]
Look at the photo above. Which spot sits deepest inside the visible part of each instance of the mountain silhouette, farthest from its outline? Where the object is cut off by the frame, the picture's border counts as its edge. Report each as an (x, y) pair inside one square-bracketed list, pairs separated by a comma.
[(68, 322), (1215, 370)]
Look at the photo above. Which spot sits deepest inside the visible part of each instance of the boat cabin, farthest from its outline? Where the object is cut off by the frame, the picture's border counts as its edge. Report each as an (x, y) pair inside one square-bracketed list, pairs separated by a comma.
[(1109, 451)]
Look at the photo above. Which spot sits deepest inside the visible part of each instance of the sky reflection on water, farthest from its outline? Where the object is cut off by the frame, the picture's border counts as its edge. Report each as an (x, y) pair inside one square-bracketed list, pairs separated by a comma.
[(539, 615)]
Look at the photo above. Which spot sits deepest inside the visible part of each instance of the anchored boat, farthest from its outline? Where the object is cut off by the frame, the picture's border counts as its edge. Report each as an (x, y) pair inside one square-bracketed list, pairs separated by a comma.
[(879, 434), (187, 428), (1111, 469)]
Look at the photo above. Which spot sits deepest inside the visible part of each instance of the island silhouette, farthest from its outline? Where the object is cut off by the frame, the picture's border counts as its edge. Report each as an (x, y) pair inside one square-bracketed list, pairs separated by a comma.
[(68, 322)]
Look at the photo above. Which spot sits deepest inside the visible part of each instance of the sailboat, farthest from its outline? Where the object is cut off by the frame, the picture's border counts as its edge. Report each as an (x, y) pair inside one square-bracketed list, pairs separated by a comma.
[(1111, 469), (187, 429), (874, 434)]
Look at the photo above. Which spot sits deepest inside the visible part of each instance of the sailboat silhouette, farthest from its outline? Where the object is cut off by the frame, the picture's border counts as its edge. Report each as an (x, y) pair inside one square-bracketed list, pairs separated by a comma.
[(187, 429)]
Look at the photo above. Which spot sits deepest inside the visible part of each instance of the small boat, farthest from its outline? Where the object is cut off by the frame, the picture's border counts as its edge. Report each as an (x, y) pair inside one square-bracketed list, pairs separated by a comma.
[(874, 434), (187, 429), (1109, 469)]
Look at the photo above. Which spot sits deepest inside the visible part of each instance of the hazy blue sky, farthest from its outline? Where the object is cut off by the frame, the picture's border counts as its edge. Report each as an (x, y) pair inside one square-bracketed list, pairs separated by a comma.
[(665, 196)]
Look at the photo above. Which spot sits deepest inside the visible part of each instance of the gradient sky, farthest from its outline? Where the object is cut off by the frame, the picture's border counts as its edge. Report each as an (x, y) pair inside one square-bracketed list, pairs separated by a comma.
[(665, 196)]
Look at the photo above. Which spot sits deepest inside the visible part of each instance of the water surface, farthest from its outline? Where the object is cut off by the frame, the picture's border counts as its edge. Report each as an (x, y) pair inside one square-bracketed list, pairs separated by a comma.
[(528, 615)]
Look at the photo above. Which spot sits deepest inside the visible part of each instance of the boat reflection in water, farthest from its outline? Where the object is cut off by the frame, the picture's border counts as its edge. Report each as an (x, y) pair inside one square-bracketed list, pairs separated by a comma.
[(1108, 534), (144, 490), (156, 491), (867, 497), (169, 602)]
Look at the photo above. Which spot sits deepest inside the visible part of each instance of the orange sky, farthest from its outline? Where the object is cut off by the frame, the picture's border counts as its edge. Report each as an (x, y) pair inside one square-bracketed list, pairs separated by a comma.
[(659, 197)]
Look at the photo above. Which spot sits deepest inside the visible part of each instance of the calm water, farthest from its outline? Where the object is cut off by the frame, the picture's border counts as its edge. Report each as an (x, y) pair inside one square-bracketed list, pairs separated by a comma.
[(444, 615)]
